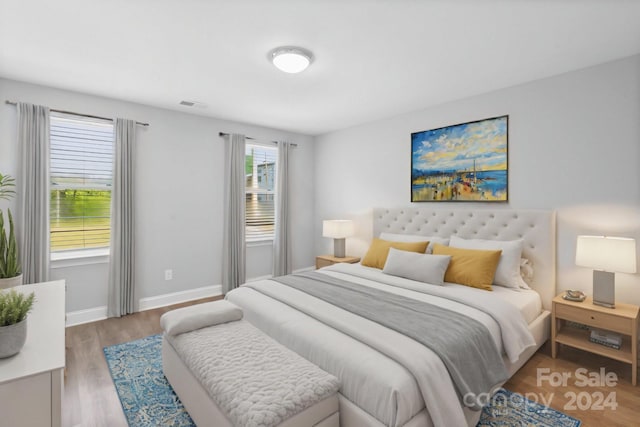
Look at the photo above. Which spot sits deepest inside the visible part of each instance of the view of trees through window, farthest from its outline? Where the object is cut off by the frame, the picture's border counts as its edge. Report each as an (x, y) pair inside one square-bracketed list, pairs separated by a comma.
[(81, 173), (260, 170)]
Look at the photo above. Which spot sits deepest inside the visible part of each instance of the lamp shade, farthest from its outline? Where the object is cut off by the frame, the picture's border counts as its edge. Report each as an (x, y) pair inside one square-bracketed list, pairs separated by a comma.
[(613, 254), (337, 228)]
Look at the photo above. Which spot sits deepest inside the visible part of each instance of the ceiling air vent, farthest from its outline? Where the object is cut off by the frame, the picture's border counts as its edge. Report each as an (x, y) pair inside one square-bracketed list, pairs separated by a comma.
[(193, 104)]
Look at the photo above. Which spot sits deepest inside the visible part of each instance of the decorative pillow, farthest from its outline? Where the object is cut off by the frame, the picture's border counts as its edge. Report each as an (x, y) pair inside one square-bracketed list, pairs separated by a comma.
[(377, 254), (508, 271), (420, 267), (198, 316), (415, 238), (469, 266)]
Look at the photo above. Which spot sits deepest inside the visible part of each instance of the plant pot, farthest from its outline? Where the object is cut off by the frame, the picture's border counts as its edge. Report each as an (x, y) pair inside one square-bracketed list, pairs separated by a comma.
[(10, 282), (12, 338)]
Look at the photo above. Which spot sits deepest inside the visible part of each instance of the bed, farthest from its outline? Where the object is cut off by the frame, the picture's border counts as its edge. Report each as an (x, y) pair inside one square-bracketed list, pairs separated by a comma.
[(387, 378)]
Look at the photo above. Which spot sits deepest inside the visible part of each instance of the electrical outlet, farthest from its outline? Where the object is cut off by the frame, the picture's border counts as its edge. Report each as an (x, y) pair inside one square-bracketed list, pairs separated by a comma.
[(168, 274)]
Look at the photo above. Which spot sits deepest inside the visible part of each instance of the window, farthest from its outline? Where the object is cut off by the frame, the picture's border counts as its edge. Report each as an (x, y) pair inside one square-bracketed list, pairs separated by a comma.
[(260, 168), (81, 173)]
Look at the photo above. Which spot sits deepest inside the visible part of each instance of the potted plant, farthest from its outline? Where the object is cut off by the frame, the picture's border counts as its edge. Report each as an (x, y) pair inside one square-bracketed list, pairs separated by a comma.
[(10, 271), (14, 307)]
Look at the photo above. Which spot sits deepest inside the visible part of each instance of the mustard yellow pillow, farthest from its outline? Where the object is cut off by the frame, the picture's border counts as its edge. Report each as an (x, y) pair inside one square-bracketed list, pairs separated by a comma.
[(470, 267), (377, 254)]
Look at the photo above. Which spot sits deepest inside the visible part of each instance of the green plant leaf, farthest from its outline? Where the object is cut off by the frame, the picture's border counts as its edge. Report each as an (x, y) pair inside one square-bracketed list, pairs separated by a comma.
[(14, 306), (13, 266), (7, 184), (9, 261), (3, 248)]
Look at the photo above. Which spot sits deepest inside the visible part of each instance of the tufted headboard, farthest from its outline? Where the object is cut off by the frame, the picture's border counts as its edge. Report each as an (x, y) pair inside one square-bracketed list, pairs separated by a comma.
[(536, 228)]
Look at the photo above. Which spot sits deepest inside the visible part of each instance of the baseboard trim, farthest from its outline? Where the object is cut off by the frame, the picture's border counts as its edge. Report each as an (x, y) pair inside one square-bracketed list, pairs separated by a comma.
[(86, 316), (100, 313), (255, 279), (178, 297), (269, 276), (302, 270)]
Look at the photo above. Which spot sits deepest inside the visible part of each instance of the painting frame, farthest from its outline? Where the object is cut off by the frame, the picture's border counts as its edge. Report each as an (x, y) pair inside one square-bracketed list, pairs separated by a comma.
[(465, 162)]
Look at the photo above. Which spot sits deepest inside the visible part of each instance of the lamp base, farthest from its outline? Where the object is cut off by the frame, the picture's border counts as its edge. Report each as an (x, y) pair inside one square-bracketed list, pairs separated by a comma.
[(338, 248), (604, 291)]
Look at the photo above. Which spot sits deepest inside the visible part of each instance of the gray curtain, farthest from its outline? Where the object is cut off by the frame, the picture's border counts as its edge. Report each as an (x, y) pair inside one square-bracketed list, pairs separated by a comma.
[(33, 192), (234, 245), (282, 240), (121, 259)]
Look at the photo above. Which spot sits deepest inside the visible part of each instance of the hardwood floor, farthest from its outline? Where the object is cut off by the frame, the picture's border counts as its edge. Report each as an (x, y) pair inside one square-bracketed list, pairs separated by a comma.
[(90, 398), (624, 394)]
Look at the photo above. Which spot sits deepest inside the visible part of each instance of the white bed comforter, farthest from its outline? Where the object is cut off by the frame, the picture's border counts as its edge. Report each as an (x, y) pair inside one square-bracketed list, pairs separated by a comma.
[(388, 375)]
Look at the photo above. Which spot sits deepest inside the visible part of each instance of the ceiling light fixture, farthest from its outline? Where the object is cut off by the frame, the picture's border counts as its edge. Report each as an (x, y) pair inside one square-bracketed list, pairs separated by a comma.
[(291, 59)]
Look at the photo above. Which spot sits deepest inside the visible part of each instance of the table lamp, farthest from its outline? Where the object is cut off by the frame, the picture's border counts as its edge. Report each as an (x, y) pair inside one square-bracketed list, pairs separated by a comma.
[(339, 229), (607, 256)]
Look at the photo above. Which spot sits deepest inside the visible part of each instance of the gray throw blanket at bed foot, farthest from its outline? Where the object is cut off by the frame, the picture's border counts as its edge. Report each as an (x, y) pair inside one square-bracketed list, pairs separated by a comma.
[(463, 344), (256, 381)]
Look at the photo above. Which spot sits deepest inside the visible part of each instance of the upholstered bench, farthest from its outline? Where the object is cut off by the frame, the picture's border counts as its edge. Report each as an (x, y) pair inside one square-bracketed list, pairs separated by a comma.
[(228, 373)]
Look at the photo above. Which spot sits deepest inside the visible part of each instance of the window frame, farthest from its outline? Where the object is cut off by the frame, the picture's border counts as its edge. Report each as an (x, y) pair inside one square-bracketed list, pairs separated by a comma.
[(78, 256), (72, 258), (266, 240)]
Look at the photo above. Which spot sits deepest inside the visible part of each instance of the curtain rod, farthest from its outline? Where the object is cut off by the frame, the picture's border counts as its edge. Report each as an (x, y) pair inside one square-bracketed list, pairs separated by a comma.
[(253, 139), (77, 114)]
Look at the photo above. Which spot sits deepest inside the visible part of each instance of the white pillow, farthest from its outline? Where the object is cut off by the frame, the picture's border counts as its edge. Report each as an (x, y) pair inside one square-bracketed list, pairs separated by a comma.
[(508, 271), (526, 273), (415, 238), (199, 316), (415, 266)]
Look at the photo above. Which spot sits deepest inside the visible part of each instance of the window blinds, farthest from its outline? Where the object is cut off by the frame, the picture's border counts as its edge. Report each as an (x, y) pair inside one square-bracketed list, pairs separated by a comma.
[(260, 168), (81, 176)]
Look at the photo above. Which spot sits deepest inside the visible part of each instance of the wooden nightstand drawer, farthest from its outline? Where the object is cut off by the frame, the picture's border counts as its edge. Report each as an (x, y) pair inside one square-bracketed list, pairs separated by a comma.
[(593, 318)]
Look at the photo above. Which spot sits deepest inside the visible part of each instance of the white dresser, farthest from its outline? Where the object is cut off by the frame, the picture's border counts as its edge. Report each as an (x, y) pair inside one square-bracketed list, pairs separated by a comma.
[(31, 382)]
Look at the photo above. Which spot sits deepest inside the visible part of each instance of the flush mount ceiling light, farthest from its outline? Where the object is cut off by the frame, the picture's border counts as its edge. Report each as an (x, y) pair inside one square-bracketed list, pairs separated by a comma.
[(291, 59)]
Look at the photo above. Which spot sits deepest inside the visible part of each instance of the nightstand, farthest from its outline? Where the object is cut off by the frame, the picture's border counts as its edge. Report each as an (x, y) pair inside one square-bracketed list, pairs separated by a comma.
[(623, 319), (326, 260)]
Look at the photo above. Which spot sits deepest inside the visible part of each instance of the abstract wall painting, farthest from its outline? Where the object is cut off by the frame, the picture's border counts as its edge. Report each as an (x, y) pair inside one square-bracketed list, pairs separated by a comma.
[(467, 162)]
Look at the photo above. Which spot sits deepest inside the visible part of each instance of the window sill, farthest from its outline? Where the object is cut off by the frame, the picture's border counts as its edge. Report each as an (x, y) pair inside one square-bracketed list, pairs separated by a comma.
[(79, 257), (257, 243)]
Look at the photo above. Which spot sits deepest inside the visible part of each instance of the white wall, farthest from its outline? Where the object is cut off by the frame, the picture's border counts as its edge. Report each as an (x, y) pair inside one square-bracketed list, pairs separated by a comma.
[(574, 147), (179, 178)]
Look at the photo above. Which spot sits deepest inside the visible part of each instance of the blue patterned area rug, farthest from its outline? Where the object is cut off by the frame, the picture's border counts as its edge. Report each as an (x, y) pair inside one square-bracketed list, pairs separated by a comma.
[(511, 409), (146, 396), (149, 401)]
